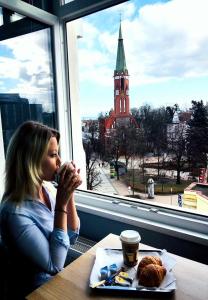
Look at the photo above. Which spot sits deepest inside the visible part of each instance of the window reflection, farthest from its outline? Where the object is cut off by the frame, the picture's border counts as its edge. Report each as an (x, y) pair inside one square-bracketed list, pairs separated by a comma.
[(66, 1), (26, 81)]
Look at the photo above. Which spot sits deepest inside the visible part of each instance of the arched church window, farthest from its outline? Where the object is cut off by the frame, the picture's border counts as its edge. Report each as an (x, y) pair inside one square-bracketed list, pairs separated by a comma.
[(122, 83)]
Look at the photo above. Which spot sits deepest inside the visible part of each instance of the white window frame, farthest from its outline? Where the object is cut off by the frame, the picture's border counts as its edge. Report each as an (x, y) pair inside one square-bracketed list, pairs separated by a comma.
[(63, 108), (183, 224)]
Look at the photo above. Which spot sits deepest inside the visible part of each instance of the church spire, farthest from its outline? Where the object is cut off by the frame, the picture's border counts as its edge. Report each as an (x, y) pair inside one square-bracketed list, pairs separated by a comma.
[(120, 60)]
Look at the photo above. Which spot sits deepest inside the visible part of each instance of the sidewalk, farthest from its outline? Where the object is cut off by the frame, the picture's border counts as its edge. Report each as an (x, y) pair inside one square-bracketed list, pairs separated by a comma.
[(106, 185), (116, 187)]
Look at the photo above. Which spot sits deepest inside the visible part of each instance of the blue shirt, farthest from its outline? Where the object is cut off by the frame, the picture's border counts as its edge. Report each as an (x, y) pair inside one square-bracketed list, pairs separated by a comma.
[(34, 245)]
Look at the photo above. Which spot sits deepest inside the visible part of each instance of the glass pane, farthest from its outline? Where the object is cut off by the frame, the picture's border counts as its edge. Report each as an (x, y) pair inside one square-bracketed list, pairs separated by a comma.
[(143, 91), (26, 81), (7, 16), (1, 17), (66, 1)]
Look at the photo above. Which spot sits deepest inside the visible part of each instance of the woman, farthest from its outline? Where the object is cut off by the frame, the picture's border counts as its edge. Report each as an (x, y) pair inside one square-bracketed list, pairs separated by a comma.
[(37, 228)]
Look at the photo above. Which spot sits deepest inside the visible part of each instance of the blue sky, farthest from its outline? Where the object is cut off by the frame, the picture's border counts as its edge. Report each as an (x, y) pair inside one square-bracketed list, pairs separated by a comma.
[(166, 47)]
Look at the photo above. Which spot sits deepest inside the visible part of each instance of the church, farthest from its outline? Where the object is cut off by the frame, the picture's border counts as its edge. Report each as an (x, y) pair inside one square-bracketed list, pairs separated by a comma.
[(120, 116)]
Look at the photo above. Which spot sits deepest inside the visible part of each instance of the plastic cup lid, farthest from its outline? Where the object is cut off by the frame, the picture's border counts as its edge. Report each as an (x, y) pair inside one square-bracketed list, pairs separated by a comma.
[(130, 236)]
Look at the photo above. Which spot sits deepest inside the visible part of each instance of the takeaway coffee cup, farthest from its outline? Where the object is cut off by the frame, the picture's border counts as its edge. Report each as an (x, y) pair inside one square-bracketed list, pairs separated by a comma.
[(130, 245)]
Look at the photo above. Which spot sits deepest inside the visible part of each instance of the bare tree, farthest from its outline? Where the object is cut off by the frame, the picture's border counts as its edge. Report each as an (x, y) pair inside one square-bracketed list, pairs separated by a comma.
[(121, 141), (113, 149), (177, 146), (91, 147), (93, 175)]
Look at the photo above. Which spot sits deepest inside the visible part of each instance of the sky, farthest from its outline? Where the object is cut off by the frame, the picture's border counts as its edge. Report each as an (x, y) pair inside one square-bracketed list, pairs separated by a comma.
[(25, 68), (166, 48)]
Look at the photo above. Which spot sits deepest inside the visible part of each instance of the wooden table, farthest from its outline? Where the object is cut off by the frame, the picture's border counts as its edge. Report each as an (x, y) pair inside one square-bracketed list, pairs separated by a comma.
[(73, 282)]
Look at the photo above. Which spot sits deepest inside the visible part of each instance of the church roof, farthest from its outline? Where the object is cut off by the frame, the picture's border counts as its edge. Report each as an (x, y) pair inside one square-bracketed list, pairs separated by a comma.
[(120, 60)]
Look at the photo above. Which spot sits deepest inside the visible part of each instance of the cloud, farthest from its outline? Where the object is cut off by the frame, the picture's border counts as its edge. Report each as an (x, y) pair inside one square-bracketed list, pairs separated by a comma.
[(9, 68), (163, 41), (173, 40), (30, 66), (126, 10)]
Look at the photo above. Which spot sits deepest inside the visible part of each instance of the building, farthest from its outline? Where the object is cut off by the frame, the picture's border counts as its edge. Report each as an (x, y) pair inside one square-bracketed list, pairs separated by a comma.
[(177, 129), (120, 116), (15, 110)]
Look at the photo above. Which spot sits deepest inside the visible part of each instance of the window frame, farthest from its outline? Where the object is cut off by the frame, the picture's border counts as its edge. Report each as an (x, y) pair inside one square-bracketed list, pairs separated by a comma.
[(183, 224), (60, 70), (175, 222)]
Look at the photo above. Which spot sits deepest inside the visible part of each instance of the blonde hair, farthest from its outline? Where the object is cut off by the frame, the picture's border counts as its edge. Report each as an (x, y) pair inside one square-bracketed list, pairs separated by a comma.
[(24, 156)]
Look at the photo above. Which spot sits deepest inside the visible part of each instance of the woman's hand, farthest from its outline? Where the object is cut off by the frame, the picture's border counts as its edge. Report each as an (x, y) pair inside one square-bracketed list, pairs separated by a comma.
[(69, 180)]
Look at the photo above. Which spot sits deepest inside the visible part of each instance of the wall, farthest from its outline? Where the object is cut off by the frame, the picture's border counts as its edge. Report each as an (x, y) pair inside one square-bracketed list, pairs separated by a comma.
[(177, 246)]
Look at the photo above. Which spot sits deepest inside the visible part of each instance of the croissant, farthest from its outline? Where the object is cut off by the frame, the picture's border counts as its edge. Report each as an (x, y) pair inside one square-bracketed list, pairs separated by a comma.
[(152, 275), (148, 260)]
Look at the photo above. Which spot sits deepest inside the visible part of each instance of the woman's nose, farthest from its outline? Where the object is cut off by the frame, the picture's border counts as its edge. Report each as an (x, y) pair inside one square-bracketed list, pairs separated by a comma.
[(59, 160)]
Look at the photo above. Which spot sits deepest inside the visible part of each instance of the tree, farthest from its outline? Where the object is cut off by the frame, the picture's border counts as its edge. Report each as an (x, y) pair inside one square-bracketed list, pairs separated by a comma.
[(177, 146), (121, 141), (93, 175), (113, 149), (145, 121), (129, 142), (158, 135), (197, 136), (91, 147), (170, 110)]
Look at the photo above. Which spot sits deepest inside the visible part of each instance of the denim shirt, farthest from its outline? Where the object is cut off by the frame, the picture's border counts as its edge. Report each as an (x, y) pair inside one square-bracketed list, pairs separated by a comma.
[(28, 232)]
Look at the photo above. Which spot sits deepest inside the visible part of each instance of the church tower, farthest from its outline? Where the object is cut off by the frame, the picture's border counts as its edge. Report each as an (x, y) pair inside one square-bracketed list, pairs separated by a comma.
[(121, 81), (120, 115)]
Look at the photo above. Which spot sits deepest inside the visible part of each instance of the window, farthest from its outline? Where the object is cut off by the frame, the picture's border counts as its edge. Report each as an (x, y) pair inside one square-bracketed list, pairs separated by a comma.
[(26, 86), (164, 79), (149, 83), (26, 76), (66, 1)]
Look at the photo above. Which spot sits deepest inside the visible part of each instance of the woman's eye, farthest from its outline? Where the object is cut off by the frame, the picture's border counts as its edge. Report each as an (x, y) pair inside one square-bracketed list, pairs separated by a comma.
[(53, 155)]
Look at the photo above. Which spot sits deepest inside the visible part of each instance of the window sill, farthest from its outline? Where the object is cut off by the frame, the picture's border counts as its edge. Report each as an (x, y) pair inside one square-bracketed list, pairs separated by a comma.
[(179, 224)]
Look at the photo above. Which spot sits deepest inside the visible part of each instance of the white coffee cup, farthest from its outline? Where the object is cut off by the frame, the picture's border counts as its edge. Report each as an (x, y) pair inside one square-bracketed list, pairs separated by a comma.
[(58, 173)]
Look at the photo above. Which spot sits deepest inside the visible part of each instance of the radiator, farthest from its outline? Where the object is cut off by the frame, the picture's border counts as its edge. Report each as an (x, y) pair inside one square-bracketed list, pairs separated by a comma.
[(82, 245)]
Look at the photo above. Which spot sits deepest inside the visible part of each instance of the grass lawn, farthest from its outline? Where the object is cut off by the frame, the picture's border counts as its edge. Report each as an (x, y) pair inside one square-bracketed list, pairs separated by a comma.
[(162, 186)]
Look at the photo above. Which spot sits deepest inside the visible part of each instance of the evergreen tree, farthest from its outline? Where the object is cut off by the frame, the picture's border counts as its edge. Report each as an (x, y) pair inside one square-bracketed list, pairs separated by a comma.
[(197, 136)]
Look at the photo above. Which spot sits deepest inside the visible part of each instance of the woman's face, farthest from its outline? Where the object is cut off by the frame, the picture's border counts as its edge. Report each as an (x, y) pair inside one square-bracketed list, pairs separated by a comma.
[(51, 161)]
